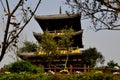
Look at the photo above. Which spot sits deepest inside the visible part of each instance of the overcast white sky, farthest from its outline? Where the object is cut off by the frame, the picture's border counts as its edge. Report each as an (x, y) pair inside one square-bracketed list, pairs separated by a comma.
[(106, 42)]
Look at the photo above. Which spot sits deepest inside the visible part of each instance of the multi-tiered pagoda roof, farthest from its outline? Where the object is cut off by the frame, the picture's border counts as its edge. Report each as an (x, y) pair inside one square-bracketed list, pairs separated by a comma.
[(62, 21)]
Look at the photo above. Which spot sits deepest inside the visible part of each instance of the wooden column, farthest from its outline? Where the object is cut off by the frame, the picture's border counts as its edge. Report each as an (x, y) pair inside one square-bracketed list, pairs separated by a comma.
[(71, 69), (85, 68), (55, 69), (88, 68)]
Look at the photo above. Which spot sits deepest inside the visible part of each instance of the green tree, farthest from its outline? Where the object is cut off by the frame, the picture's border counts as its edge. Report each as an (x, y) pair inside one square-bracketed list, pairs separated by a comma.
[(48, 45), (104, 14), (91, 57), (66, 41), (28, 47), (15, 23), (112, 64)]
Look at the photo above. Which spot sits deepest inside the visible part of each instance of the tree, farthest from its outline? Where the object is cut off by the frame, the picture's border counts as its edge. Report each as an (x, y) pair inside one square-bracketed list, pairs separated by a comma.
[(104, 14), (66, 41), (48, 45), (112, 64), (15, 23), (91, 57), (28, 47)]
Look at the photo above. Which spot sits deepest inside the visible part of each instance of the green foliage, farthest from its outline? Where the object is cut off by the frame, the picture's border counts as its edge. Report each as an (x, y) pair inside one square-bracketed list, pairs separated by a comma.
[(28, 47), (15, 76), (94, 76), (112, 64), (49, 76), (29, 76), (66, 39), (22, 66), (48, 44), (91, 56)]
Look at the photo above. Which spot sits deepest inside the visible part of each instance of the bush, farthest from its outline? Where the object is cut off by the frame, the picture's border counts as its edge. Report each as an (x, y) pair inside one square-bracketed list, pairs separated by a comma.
[(16, 76), (22, 66), (49, 76), (97, 76), (28, 47), (31, 76)]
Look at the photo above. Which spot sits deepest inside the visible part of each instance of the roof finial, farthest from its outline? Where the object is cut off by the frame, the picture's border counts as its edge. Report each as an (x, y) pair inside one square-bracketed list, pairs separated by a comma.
[(60, 10)]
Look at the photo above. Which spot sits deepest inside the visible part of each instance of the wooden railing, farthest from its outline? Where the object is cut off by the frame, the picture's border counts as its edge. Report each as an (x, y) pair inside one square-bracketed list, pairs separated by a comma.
[(85, 69), (71, 69)]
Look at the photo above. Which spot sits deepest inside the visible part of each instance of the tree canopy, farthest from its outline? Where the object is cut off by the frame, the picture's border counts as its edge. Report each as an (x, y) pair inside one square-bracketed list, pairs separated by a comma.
[(104, 14), (48, 44), (28, 47), (112, 64), (51, 43), (91, 57)]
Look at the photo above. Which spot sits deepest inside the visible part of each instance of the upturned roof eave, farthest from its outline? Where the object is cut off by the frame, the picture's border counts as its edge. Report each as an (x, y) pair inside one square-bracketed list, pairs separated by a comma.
[(56, 16)]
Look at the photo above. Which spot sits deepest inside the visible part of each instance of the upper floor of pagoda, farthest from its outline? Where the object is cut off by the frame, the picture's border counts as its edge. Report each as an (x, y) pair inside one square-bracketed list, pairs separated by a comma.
[(59, 21)]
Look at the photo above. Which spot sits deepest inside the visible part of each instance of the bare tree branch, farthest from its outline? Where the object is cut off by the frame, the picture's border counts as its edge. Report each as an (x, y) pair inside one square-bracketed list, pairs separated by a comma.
[(109, 5), (10, 38), (16, 7), (25, 23), (104, 14), (8, 7)]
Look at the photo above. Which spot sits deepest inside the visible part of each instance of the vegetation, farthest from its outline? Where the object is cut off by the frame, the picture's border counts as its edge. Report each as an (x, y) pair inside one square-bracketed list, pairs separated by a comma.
[(88, 76), (66, 41), (112, 64), (28, 47), (14, 23), (21, 66), (48, 46), (91, 57)]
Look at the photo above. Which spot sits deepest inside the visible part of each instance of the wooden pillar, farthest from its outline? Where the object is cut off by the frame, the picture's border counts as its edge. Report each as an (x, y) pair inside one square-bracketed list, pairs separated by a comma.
[(85, 68), (70, 69), (55, 69), (88, 68), (1, 70)]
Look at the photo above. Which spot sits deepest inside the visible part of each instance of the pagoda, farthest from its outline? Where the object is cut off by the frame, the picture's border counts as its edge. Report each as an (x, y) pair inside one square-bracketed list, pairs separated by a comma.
[(55, 24)]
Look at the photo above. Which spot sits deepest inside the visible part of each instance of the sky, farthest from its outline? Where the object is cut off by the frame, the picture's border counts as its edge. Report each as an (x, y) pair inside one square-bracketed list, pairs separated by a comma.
[(105, 41)]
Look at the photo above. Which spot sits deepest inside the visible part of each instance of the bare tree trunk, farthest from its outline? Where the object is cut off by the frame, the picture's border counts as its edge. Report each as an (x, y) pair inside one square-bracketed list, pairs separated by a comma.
[(6, 42), (66, 61), (2, 53)]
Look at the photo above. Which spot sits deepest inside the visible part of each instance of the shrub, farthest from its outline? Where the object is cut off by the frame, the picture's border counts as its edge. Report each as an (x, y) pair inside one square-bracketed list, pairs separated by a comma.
[(16, 76), (22, 66), (28, 47), (31, 76)]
